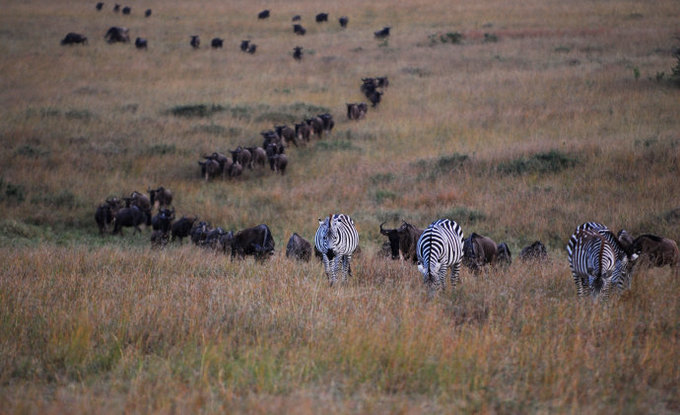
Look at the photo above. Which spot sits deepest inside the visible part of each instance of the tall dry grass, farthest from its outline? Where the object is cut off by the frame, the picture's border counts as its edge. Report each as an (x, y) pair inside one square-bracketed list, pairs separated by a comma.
[(104, 324)]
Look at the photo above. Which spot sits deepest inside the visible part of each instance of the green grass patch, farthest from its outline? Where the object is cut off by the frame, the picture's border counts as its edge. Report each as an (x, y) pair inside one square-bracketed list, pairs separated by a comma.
[(446, 164), (543, 163), (196, 110), (463, 215), (336, 145)]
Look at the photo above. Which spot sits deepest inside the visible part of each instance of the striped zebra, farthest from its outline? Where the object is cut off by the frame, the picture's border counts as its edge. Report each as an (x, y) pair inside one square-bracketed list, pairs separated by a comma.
[(598, 260), (439, 248), (336, 239)]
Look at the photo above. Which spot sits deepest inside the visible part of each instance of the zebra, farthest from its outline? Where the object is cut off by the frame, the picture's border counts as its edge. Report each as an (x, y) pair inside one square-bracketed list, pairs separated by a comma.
[(599, 260), (439, 248), (336, 239)]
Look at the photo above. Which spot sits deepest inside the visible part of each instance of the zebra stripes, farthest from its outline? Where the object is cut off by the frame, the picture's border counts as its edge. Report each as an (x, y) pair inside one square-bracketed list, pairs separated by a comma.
[(336, 239), (598, 260), (439, 248)]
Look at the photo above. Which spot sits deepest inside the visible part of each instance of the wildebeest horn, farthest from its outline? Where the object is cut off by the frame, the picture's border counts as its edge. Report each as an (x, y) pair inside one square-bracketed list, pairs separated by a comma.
[(381, 229)]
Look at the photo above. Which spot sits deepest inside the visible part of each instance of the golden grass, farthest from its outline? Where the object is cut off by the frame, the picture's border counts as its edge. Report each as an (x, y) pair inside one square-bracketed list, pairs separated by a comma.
[(90, 324)]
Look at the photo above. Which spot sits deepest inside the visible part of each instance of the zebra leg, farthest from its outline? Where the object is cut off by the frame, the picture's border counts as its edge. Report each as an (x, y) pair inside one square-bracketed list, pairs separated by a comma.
[(441, 277), (326, 266), (455, 275), (606, 289), (346, 267), (334, 269)]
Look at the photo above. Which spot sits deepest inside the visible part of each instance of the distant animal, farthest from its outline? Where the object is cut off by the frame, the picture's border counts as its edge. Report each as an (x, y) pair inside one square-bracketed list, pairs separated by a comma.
[(297, 53), (243, 156), (298, 248), (263, 14), (141, 43), (328, 122), (375, 97), (357, 111), (217, 42), (99, 5), (162, 221), (117, 34), (598, 261), (286, 134), (299, 30), (343, 21), (303, 131), (504, 257), (252, 48), (534, 252), (195, 41), (142, 202), (161, 195), (322, 17), (244, 45), (127, 10), (116, 8), (256, 241), (209, 169), (316, 125), (479, 251), (278, 163), (214, 238), (439, 248), (181, 228), (106, 212), (236, 169), (336, 239), (73, 38), (131, 216), (147, 13), (199, 233), (382, 33), (403, 241), (296, 18), (223, 161), (258, 156), (656, 251)]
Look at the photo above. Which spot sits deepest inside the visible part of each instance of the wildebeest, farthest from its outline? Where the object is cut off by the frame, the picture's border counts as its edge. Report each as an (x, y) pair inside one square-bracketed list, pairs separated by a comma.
[(478, 251), (302, 131), (504, 256), (131, 216), (286, 134), (161, 195), (328, 122), (263, 14), (162, 221), (182, 227), (244, 45), (127, 10), (278, 163), (106, 212), (321, 17), (243, 156), (403, 241), (298, 248), (215, 238), (357, 111), (209, 169), (236, 169), (147, 13), (216, 42), (296, 18), (343, 21), (223, 161), (656, 251), (534, 252), (99, 5), (142, 202), (73, 38), (252, 48), (116, 7), (256, 241), (117, 34), (297, 53), (299, 30), (141, 43), (199, 232), (382, 33), (195, 41), (258, 156), (316, 125)]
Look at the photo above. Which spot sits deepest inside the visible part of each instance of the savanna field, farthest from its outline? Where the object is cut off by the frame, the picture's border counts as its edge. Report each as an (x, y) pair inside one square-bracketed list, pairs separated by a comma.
[(517, 119)]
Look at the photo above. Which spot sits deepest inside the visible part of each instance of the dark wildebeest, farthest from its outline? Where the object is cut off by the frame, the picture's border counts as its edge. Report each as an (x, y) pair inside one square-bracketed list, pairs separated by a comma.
[(343, 21), (270, 137), (99, 6), (131, 216), (403, 241), (322, 17), (244, 45), (195, 41), (142, 202), (297, 53), (534, 252), (116, 7), (302, 131), (328, 122), (286, 134), (381, 82), (182, 227), (256, 241), (215, 238), (258, 156), (141, 43), (236, 169), (117, 34), (504, 257), (278, 163), (199, 232), (223, 161), (382, 33), (478, 251), (243, 156), (162, 221), (162, 195), (357, 111), (316, 124), (252, 48), (263, 14), (216, 43), (73, 38), (296, 18), (106, 212), (299, 30), (656, 251), (209, 169), (147, 13), (298, 248), (127, 10)]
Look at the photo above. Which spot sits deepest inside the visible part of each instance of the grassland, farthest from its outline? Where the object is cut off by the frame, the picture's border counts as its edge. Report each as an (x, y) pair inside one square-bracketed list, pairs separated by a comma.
[(562, 119)]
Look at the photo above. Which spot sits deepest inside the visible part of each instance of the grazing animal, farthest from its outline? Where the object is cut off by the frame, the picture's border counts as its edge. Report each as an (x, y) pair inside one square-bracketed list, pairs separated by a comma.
[(116, 8), (244, 45), (381, 82), (303, 131), (127, 10), (73, 38), (141, 43), (375, 97), (258, 156), (162, 221), (322, 17), (504, 257), (263, 14), (286, 134), (214, 239), (296, 18), (439, 248), (256, 241), (142, 202), (299, 30), (147, 13), (195, 41), (382, 33), (99, 6), (199, 233), (298, 248), (297, 53), (316, 124), (243, 156), (161, 195), (343, 21), (223, 161), (117, 34), (656, 251), (106, 212), (337, 239), (131, 216), (278, 163), (478, 251), (534, 252), (209, 169), (403, 241), (236, 169), (328, 122), (252, 48), (356, 111), (216, 43), (182, 227), (598, 261)]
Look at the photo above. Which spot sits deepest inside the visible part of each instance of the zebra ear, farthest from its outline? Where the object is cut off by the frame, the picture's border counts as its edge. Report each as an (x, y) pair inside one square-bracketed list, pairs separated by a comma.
[(321, 221)]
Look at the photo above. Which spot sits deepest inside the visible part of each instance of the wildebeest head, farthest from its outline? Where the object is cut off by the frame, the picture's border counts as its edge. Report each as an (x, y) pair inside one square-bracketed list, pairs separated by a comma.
[(195, 41), (343, 21), (297, 53), (393, 237), (244, 45)]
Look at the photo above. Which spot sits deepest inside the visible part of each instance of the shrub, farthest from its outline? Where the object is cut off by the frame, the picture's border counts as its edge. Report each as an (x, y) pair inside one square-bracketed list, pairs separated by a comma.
[(550, 162), (337, 145), (197, 110), (11, 192), (463, 215), (445, 164), (382, 195), (675, 71)]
